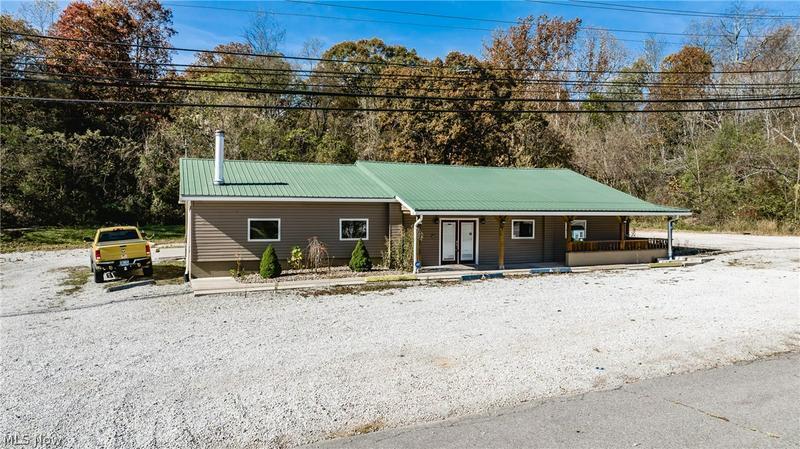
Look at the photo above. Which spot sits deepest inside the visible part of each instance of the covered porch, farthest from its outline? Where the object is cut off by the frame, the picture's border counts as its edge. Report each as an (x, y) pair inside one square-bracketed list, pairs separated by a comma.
[(581, 251), (531, 240)]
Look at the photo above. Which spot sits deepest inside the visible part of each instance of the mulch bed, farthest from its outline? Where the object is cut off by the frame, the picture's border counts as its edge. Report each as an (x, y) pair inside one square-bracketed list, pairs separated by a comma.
[(323, 273)]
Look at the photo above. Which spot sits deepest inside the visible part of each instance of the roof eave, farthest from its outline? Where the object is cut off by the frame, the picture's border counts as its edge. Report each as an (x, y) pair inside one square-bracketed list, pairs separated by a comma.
[(220, 198), (611, 213)]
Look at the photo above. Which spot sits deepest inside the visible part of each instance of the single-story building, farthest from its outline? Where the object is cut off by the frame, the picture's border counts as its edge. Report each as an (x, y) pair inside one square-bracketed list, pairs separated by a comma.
[(478, 216)]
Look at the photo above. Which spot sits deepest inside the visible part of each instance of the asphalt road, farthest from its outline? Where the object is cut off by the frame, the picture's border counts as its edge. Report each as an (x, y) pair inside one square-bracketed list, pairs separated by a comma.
[(742, 406)]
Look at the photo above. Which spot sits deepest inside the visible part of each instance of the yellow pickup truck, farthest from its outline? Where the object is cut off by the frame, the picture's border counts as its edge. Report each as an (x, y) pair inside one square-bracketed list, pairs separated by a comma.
[(119, 250)]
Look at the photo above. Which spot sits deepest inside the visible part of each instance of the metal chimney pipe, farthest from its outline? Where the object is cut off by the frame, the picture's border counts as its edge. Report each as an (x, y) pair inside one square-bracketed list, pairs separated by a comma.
[(219, 157)]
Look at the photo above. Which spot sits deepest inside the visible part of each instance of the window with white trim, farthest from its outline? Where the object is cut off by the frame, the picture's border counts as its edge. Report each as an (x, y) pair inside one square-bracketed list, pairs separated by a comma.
[(523, 229), (578, 230), (263, 229), (353, 229)]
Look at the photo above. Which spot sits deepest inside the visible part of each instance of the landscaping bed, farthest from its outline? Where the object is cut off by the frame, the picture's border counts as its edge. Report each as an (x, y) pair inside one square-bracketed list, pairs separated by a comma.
[(311, 274)]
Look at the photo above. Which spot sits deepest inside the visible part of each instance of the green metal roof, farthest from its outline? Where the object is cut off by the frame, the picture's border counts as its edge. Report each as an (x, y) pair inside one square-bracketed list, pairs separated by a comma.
[(261, 179), (427, 187), (421, 187)]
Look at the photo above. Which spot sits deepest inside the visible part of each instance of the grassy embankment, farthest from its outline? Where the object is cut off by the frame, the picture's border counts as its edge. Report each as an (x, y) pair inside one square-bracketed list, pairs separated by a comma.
[(759, 227), (53, 238)]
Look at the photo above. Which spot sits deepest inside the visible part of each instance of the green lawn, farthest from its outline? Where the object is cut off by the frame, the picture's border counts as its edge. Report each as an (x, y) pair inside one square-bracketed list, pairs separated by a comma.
[(72, 237)]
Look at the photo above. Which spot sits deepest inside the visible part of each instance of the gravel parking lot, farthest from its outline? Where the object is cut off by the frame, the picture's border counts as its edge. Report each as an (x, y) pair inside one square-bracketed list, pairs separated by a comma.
[(154, 366)]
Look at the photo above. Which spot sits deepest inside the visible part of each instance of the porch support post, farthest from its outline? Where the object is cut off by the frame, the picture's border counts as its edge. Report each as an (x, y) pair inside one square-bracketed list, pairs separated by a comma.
[(669, 238), (623, 221), (568, 224), (416, 255), (501, 245)]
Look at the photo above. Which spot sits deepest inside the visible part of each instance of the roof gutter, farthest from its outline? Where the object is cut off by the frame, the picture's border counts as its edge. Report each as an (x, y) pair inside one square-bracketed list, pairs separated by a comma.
[(184, 199), (559, 213), (611, 213)]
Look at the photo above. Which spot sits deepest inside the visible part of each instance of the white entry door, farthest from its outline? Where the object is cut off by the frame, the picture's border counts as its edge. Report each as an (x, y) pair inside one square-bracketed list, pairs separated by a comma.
[(467, 253), (449, 241)]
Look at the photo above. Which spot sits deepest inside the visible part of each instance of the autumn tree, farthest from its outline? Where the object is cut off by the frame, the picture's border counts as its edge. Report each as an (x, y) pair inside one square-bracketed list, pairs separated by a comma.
[(685, 74), (103, 49), (95, 43), (532, 55), (354, 67), (533, 52), (20, 59), (465, 134)]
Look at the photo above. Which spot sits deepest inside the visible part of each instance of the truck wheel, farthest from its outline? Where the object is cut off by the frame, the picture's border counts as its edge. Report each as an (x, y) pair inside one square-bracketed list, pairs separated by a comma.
[(148, 271), (98, 276)]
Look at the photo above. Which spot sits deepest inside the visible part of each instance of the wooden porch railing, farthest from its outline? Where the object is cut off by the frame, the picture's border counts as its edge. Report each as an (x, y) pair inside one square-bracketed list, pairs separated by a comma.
[(616, 245)]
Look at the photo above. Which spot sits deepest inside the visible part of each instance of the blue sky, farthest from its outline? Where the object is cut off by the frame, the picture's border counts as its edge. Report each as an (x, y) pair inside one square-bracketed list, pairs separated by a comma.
[(205, 28)]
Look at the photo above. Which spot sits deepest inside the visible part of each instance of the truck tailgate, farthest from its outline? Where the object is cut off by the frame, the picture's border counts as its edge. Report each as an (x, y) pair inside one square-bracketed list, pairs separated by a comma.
[(124, 249)]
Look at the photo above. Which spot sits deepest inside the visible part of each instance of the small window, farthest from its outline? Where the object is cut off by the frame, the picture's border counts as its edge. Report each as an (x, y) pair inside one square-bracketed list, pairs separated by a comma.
[(353, 229), (578, 230), (118, 234), (263, 229), (522, 229)]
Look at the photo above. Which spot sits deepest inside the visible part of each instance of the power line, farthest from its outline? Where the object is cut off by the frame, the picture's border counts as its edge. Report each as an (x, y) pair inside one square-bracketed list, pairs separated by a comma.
[(661, 11), (335, 74), (359, 109), (410, 13), (347, 77), (378, 63), (428, 25), (490, 20), (313, 93), (318, 16), (717, 14), (225, 86)]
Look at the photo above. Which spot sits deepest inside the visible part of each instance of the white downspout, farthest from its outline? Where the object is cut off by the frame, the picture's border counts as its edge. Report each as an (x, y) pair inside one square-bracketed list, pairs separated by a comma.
[(188, 249), (670, 221), (416, 224)]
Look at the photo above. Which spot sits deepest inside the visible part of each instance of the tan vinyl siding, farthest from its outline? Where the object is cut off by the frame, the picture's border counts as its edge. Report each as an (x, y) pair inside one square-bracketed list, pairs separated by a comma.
[(220, 228), (429, 245), (601, 228), (218, 232), (488, 243), (524, 250), (518, 251), (395, 220), (554, 244)]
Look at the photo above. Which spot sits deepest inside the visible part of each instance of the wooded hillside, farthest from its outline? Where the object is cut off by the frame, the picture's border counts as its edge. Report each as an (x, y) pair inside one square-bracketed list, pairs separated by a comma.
[(712, 127)]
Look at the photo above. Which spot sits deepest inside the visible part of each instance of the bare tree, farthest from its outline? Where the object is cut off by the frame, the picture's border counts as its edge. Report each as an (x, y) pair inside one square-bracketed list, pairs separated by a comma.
[(312, 48), (40, 13), (264, 34), (726, 38)]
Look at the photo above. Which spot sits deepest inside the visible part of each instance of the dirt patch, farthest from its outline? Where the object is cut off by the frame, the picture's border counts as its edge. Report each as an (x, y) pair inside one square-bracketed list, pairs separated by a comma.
[(361, 289), (76, 278), (372, 426), (443, 362), (749, 263), (169, 272)]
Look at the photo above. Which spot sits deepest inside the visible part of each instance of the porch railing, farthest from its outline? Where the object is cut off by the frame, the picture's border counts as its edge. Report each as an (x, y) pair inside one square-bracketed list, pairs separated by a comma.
[(631, 244)]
